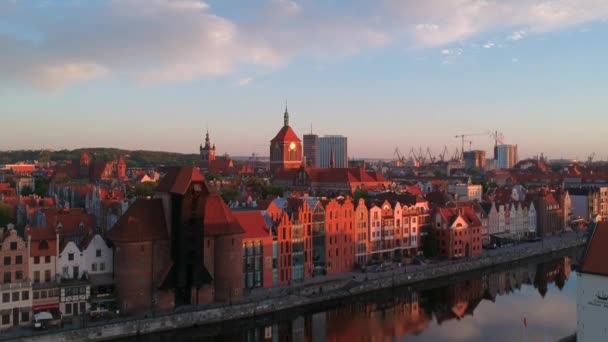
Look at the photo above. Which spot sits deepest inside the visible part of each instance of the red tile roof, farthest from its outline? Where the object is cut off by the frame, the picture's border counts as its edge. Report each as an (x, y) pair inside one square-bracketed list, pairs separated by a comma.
[(253, 223), (143, 221), (41, 233), (286, 134), (467, 213), (178, 179), (219, 220), (594, 261), (70, 219)]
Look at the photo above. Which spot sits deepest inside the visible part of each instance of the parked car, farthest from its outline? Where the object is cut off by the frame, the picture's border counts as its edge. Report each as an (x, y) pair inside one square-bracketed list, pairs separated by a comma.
[(46, 319)]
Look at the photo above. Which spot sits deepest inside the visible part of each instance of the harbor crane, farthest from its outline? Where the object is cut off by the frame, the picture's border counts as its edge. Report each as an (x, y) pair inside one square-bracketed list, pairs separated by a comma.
[(462, 136)]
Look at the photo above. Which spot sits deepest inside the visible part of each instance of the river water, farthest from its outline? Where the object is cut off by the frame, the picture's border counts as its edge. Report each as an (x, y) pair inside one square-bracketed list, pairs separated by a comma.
[(534, 301)]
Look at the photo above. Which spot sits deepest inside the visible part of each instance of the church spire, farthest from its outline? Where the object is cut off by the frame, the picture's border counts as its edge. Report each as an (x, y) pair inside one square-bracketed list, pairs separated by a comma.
[(286, 116), (207, 140)]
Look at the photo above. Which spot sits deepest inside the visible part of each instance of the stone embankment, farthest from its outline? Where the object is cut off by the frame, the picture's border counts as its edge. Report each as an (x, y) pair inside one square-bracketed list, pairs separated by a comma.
[(312, 294)]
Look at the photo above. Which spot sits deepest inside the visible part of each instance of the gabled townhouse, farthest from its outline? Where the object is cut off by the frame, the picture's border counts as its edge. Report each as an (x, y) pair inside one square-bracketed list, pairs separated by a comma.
[(340, 235), (459, 232), (43, 243), (361, 224), (15, 284)]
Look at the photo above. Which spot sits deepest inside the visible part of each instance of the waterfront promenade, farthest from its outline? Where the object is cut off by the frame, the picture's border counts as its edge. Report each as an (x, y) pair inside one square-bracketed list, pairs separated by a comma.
[(316, 291)]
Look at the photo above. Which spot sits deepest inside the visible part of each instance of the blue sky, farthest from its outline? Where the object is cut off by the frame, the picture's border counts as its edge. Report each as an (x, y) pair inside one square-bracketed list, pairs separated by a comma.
[(153, 74)]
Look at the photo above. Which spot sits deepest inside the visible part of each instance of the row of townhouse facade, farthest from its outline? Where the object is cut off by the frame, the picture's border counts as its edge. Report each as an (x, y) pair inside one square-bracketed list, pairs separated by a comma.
[(294, 239), (63, 266)]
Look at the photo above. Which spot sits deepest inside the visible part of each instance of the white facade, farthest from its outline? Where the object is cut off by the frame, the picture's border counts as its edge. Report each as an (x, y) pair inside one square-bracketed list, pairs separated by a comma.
[(98, 256), (70, 263), (375, 226), (466, 192), (592, 307)]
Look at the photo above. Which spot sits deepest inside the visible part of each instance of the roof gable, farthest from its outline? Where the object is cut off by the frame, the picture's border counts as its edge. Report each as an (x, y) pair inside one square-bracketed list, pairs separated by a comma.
[(594, 261)]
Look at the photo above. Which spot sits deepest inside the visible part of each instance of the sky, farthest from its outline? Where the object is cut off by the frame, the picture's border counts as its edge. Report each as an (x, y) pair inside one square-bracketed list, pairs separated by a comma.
[(156, 74)]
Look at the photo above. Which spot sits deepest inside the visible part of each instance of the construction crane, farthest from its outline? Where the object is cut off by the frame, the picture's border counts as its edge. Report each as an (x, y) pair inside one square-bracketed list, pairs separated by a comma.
[(432, 158), (462, 136), (590, 159), (400, 158), (443, 154)]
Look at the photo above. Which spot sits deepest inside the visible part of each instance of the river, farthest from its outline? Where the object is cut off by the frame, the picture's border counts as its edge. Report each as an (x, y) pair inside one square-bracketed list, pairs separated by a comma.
[(486, 306)]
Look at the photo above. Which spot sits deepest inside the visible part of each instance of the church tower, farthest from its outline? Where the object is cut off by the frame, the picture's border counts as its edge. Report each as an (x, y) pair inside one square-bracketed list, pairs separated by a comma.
[(285, 148), (207, 152)]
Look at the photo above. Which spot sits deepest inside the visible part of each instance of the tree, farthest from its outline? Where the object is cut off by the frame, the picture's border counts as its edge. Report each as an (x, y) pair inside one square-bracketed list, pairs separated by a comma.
[(360, 193), (42, 187), (230, 194), (272, 191), (429, 244), (144, 189), (6, 216), (26, 191)]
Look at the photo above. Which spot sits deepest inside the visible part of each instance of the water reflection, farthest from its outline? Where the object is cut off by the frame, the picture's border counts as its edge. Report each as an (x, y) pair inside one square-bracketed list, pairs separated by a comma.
[(484, 307)]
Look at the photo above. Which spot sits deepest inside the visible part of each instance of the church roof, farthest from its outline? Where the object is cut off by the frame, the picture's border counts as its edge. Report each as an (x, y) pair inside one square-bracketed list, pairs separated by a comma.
[(286, 134)]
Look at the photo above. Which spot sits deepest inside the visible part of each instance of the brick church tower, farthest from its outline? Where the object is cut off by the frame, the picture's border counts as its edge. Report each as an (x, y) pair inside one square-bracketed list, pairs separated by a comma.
[(208, 151), (285, 149)]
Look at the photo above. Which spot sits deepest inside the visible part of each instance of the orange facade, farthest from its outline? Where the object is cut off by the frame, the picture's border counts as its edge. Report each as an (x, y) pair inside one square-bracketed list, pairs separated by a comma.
[(340, 236)]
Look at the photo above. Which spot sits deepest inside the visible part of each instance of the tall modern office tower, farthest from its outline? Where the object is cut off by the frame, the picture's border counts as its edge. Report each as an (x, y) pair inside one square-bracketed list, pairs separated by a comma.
[(333, 151), (311, 148), (506, 156)]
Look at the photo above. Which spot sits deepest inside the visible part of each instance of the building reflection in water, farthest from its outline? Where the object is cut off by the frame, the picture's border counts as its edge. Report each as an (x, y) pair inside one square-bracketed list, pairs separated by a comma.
[(394, 315), (387, 315)]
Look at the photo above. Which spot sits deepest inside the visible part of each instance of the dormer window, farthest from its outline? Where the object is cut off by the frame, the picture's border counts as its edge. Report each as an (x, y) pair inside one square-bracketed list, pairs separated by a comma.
[(43, 245)]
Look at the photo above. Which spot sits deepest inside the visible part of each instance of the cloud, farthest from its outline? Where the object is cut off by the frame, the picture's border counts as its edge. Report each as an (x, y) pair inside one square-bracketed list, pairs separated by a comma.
[(245, 81), (185, 40), (165, 40), (456, 20), (515, 60), (517, 35)]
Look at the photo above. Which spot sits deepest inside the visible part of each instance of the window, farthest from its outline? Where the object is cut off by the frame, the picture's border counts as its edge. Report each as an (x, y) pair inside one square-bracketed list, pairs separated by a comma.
[(43, 294), (94, 267), (47, 259), (36, 276), (71, 256), (7, 277), (83, 290), (25, 317), (43, 245), (13, 246), (47, 276), (19, 259), (68, 309), (25, 295), (15, 296), (36, 295), (19, 275), (6, 298), (65, 271), (7, 260), (6, 319), (36, 260), (98, 253)]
